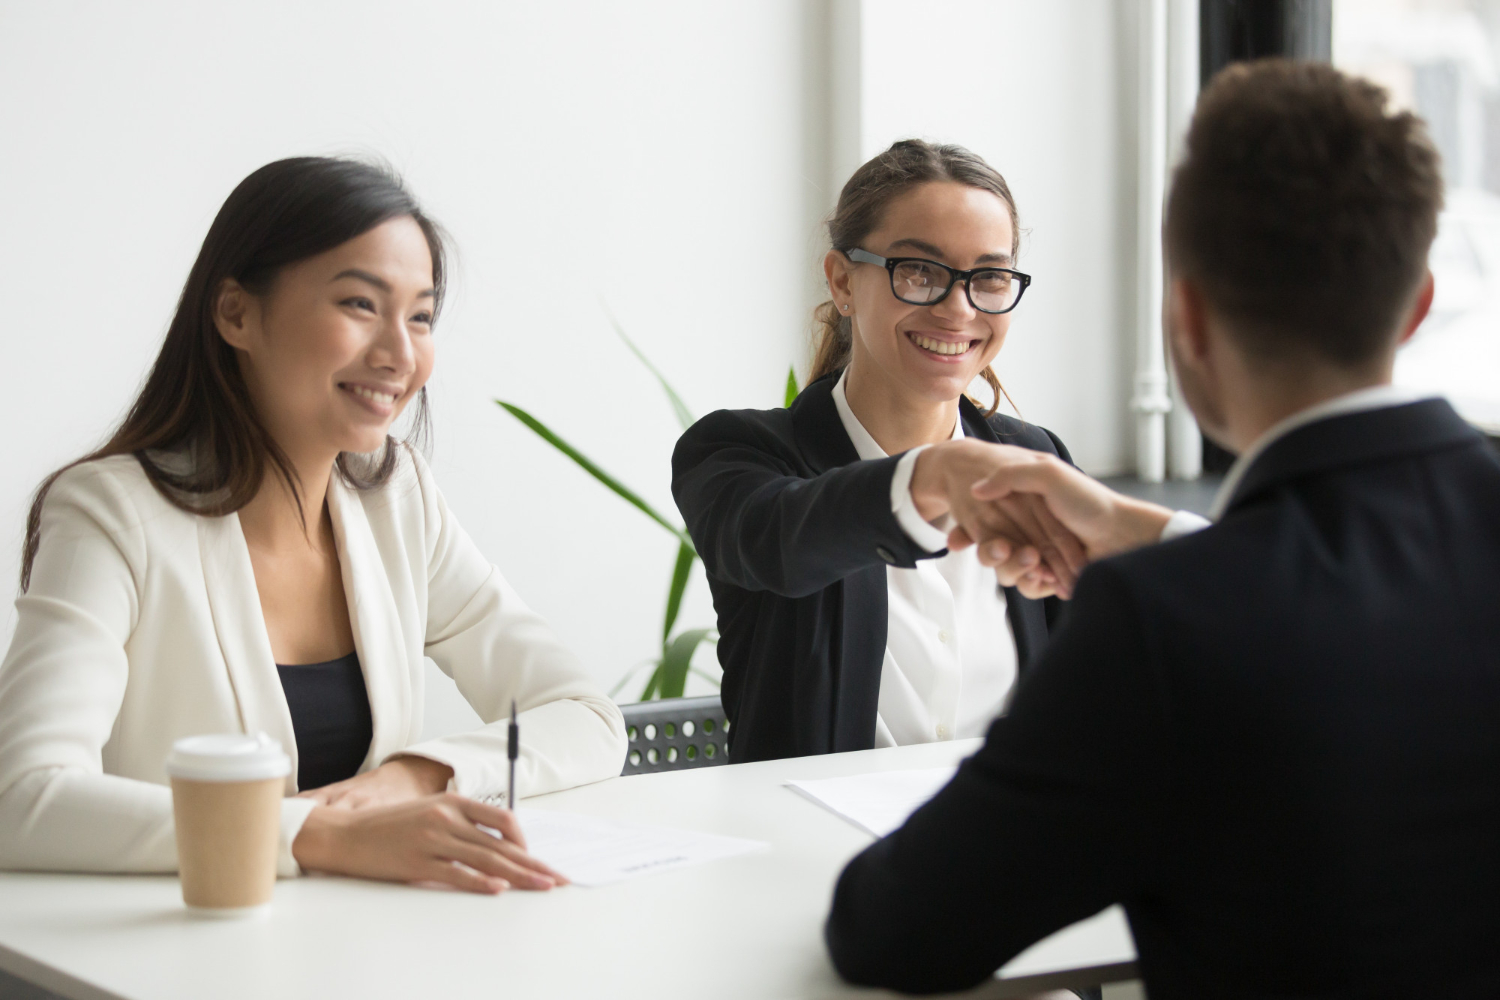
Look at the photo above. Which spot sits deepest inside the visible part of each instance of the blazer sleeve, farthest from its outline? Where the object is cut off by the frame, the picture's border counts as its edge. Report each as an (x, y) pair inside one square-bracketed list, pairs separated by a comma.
[(481, 634), (760, 525), (1055, 818), (61, 686)]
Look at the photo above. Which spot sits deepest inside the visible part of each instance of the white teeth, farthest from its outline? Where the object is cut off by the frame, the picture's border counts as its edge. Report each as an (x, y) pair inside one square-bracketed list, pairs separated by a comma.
[(940, 346), (379, 397)]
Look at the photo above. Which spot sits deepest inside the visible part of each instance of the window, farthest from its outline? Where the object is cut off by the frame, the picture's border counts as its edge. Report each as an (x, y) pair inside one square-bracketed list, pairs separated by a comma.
[(1440, 58)]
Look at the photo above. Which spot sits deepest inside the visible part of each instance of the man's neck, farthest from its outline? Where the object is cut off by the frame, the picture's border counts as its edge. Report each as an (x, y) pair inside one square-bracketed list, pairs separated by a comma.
[(897, 421), (1264, 398)]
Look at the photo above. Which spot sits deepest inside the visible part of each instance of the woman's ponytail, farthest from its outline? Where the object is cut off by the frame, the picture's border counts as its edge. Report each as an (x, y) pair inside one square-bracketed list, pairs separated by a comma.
[(834, 336)]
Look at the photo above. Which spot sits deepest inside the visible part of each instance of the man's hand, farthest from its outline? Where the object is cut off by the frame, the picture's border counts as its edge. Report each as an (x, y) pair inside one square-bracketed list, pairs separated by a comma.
[(1105, 522), (1036, 519)]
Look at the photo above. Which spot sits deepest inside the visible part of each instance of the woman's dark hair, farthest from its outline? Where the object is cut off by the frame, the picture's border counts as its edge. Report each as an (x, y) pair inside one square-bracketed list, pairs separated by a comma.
[(195, 399), (861, 207)]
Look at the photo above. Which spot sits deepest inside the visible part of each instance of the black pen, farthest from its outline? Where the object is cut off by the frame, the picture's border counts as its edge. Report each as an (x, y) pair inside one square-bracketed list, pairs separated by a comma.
[(512, 750)]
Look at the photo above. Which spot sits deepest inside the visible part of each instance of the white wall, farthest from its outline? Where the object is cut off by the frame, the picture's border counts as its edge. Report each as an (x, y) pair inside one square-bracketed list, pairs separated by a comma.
[(671, 155), (1042, 91)]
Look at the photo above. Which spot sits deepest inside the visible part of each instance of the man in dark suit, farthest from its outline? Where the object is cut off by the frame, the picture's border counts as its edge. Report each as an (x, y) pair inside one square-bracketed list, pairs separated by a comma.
[(1275, 741)]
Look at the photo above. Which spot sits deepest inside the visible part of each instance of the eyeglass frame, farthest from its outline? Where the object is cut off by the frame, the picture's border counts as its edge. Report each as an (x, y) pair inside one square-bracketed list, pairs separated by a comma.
[(862, 256)]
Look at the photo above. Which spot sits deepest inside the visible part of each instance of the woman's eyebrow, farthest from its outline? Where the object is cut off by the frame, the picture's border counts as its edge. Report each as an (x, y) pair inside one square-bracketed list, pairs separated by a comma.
[(377, 281), (936, 252), (921, 246)]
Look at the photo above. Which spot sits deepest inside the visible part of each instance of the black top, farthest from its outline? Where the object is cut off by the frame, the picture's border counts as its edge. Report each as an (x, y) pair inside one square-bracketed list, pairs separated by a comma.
[(796, 533), (330, 718), (1275, 741)]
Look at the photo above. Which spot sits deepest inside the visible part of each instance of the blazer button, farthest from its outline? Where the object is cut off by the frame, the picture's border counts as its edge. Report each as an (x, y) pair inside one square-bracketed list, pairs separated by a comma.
[(886, 554)]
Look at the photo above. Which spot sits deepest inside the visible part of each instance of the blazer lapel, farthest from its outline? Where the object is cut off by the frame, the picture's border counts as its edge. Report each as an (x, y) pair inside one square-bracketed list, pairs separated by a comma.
[(234, 602), (820, 433), (1028, 618), (376, 623)]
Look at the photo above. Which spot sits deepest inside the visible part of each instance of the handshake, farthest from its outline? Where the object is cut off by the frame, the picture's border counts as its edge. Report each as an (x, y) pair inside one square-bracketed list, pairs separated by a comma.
[(1036, 519)]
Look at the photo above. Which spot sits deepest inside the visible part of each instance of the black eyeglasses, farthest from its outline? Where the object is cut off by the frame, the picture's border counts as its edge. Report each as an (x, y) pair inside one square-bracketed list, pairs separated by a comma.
[(922, 282)]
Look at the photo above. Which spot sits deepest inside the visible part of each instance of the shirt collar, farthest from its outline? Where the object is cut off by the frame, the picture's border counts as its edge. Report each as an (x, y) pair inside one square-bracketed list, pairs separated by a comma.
[(865, 444), (1376, 397)]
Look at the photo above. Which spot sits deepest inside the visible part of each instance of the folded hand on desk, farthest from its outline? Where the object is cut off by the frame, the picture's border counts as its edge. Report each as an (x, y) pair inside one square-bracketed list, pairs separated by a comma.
[(439, 838), (400, 779)]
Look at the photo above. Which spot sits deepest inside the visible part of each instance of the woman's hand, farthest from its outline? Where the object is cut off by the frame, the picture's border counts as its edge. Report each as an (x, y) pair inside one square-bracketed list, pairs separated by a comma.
[(440, 838), (1029, 547), (398, 780), (1022, 566)]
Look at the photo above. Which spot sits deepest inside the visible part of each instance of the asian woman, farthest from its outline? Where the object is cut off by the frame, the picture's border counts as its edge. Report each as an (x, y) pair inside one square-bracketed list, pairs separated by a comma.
[(251, 551)]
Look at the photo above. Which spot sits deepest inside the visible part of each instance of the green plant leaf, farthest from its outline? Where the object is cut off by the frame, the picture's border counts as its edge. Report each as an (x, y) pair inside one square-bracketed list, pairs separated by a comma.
[(684, 415), (629, 675), (791, 384), (685, 558), (706, 676), (676, 658), (619, 488), (652, 682)]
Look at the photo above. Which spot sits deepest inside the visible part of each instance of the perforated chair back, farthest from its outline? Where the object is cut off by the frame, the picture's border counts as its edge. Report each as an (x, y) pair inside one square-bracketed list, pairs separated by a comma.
[(675, 733)]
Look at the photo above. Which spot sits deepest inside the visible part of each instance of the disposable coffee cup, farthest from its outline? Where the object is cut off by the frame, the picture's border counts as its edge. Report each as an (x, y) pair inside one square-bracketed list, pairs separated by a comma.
[(226, 800)]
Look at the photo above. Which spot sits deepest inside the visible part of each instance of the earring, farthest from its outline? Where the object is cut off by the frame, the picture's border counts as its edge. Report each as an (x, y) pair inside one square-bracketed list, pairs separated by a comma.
[(846, 308)]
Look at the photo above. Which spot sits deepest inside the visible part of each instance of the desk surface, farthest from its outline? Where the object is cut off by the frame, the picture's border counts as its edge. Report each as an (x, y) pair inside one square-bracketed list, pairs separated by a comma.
[(747, 927)]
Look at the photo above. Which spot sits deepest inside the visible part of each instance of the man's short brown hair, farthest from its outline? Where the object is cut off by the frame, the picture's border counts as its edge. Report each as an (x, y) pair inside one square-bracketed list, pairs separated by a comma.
[(1303, 210)]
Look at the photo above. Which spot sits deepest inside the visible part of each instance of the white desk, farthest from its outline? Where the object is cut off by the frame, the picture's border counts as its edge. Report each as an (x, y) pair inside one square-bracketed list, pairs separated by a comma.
[(747, 927)]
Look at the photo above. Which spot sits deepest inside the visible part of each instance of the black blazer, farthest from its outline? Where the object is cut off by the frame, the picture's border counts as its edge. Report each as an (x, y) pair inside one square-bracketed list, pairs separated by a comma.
[(1276, 741), (796, 533)]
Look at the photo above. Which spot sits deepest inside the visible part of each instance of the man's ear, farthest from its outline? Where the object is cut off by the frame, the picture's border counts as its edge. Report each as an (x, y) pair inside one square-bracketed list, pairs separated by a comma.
[(232, 311), (1186, 322), (837, 270), (1420, 307)]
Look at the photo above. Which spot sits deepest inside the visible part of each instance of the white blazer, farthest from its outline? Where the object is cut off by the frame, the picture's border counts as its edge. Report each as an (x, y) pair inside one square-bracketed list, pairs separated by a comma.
[(142, 625)]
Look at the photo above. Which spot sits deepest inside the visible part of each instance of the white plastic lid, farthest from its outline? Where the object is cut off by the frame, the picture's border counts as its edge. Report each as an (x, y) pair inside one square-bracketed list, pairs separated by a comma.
[(228, 757)]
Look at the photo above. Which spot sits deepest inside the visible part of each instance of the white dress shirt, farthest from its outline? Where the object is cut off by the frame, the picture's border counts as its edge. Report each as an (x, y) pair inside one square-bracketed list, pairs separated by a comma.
[(950, 655)]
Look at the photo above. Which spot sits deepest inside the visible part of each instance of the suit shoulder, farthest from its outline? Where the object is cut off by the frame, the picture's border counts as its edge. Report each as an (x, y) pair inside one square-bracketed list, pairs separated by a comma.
[(114, 488), (114, 498), (1014, 430), (764, 430)]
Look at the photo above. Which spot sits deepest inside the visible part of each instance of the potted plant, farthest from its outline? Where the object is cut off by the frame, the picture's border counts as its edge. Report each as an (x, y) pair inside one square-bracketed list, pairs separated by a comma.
[(670, 669)]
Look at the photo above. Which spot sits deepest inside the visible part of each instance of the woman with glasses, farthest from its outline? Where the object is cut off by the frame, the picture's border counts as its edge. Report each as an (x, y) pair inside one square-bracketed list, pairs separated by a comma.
[(845, 623), (250, 551)]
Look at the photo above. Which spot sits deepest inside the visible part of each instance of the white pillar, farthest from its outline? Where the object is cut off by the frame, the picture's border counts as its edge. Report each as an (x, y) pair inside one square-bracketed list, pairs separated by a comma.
[(1184, 441), (1151, 401)]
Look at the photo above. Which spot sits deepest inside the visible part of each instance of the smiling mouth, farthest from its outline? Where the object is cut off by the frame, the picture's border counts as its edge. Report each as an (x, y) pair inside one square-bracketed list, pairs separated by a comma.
[(375, 397), (946, 348)]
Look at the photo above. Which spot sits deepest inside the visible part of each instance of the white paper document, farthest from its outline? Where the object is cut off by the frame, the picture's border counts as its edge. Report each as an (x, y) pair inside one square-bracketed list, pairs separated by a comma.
[(592, 851), (876, 803)]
